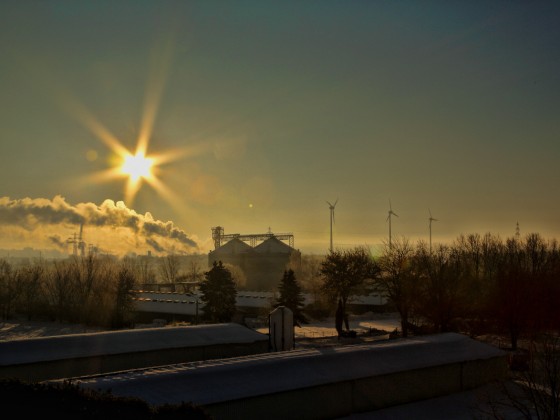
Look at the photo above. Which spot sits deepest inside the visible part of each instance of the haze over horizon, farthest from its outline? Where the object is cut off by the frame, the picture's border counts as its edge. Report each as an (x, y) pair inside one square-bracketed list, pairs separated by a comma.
[(258, 113)]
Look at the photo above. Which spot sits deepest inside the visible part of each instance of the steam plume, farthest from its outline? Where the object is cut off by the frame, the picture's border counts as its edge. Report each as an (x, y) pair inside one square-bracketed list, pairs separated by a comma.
[(112, 223)]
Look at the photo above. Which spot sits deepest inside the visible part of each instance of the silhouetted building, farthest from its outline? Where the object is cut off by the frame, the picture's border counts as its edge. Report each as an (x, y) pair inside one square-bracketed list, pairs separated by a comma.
[(263, 264)]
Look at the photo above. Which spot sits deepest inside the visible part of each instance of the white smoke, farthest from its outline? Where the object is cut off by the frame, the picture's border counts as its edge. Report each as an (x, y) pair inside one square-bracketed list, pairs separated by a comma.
[(111, 226)]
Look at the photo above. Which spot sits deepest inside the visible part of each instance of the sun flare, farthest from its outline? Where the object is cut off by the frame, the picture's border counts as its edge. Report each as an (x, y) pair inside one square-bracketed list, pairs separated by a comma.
[(137, 166)]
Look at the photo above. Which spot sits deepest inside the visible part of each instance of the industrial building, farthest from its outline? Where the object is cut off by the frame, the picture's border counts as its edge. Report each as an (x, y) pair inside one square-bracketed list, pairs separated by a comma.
[(262, 260)]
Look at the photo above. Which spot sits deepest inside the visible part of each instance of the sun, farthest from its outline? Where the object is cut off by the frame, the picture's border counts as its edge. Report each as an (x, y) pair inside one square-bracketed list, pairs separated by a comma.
[(137, 166)]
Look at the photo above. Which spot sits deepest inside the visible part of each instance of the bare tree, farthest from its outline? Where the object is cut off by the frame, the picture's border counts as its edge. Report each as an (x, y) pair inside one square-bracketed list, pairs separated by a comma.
[(9, 288), (344, 273), (512, 294), (85, 270), (534, 392), (398, 279), (481, 258), (143, 270), (308, 273), (32, 288), (443, 285), (61, 290), (311, 280), (169, 267), (124, 298)]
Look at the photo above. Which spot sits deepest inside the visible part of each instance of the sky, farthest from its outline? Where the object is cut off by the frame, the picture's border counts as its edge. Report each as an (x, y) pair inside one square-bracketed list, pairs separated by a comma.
[(257, 113)]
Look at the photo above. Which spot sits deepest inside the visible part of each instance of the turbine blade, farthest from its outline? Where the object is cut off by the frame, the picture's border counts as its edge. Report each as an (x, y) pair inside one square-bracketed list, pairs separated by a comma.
[(330, 205), (395, 214), (334, 205)]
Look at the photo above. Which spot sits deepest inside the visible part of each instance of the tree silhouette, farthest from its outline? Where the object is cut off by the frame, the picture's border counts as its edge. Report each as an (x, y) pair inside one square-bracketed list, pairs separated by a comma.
[(291, 297), (218, 294), (398, 279), (344, 273), (124, 302), (169, 267), (9, 288), (444, 284)]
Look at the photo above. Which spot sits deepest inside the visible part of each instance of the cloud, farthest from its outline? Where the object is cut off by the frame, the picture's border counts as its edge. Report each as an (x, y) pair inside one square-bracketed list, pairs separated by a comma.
[(119, 228)]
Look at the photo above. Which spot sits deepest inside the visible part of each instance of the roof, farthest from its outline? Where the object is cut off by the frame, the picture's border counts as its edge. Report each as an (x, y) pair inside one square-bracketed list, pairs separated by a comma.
[(234, 246), (273, 245), (126, 341), (229, 379)]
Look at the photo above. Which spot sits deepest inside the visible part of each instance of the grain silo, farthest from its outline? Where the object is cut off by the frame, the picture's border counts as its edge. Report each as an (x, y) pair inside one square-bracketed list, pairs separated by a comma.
[(263, 259)]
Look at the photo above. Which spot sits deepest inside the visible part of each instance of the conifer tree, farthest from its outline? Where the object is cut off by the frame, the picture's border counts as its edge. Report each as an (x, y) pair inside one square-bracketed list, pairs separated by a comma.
[(218, 294), (291, 297)]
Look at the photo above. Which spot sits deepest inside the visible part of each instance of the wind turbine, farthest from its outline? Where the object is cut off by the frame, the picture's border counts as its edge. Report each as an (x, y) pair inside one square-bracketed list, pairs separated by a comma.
[(331, 207), (391, 213), (431, 219)]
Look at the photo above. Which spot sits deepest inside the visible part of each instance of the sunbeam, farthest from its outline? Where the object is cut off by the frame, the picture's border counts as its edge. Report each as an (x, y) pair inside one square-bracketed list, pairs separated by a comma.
[(136, 166)]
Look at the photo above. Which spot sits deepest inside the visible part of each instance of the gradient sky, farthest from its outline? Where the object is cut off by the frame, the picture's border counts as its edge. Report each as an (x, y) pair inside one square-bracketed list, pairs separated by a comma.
[(273, 108)]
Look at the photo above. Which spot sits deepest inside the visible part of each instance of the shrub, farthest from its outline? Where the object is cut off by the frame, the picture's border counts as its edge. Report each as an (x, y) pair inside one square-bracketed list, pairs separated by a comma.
[(69, 401)]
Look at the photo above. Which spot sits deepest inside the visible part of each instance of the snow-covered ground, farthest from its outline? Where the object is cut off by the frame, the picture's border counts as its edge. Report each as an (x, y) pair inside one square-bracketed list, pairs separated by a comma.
[(17, 329), (21, 328), (361, 324)]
